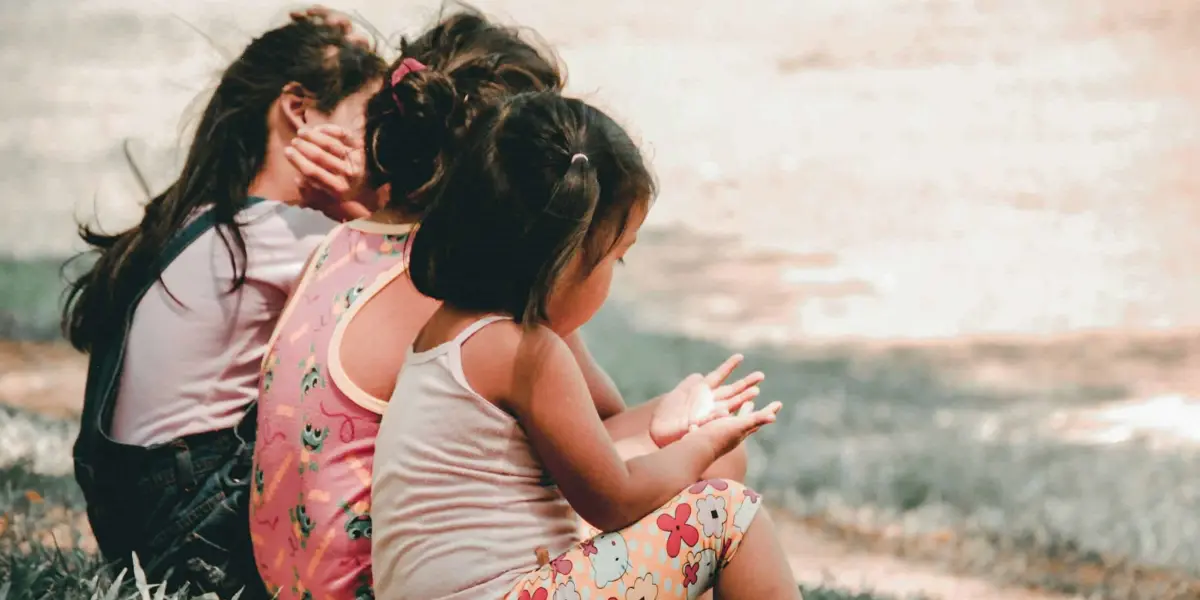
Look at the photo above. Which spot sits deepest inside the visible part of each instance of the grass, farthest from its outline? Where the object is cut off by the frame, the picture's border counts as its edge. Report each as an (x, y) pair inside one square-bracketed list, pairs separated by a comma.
[(29, 293), (905, 439), (33, 567), (909, 440)]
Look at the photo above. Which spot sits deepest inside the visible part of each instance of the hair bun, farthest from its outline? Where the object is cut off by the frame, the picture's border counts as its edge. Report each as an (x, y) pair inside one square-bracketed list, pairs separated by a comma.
[(466, 64), (425, 95), (405, 143)]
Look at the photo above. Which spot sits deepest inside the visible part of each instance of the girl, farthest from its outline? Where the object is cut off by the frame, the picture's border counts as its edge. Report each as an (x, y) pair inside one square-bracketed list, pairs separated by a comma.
[(492, 441), (329, 372), (176, 311)]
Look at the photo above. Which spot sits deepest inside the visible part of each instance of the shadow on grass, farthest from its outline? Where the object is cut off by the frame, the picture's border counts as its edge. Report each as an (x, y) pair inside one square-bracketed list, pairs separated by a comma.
[(888, 438)]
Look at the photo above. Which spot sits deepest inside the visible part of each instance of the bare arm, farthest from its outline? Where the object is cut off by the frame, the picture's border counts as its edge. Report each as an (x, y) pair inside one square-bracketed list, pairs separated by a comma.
[(601, 387), (549, 396)]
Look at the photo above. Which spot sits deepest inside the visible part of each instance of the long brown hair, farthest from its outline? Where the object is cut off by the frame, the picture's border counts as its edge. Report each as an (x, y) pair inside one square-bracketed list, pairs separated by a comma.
[(229, 149)]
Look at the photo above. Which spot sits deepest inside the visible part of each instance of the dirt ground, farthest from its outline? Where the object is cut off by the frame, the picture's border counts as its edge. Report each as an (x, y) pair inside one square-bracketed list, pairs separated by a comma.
[(815, 557)]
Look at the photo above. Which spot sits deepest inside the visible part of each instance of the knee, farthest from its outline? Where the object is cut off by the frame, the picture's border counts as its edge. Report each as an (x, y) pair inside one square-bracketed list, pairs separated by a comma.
[(724, 507), (731, 466)]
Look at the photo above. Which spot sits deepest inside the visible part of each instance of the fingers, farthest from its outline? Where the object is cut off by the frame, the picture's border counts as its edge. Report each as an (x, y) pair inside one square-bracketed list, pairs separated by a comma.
[(333, 18), (345, 136), (718, 376), (324, 13), (331, 138), (768, 418), (726, 433), (713, 415), (314, 174), (750, 420), (732, 389), (740, 400), (360, 40), (324, 161), (317, 11), (339, 165)]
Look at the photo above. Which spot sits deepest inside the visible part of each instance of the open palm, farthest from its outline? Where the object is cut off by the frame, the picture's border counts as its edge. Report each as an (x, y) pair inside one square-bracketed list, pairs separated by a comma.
[(699, 399)]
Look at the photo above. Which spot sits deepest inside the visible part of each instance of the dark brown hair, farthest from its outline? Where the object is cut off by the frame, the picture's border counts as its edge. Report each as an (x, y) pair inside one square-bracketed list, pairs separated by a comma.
[(518, 204), (414, 126), (226, 154)]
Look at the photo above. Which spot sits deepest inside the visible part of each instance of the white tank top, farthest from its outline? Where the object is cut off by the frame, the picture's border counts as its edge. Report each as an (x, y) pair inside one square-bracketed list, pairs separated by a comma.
[(460, 504)]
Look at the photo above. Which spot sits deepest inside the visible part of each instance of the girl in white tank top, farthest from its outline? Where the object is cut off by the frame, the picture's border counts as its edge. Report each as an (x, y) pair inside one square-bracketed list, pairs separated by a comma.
[(491, 444)]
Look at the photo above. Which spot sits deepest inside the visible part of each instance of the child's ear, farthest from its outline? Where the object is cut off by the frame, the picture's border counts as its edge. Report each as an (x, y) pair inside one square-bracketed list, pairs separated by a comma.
[(294, 104)]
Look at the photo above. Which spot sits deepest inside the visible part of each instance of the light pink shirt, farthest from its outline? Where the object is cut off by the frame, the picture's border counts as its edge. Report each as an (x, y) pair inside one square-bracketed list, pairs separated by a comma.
[(460, 503), (194, 350)]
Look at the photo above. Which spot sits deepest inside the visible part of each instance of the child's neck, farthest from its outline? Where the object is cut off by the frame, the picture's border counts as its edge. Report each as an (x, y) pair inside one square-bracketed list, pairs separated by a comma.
[(276, 180), (392, 216), (452, 313)]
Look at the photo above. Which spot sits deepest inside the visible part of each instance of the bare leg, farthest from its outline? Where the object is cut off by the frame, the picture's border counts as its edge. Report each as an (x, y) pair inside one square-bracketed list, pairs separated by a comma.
[(759, 570)]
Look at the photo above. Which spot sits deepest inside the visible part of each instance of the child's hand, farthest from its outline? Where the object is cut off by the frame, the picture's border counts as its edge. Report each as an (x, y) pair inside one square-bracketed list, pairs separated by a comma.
[(700, 399), (725, 434), (330, 162), (333, 18)]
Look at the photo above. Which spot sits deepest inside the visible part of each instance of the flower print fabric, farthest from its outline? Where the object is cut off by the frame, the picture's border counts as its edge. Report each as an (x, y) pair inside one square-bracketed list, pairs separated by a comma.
[(675, 553)]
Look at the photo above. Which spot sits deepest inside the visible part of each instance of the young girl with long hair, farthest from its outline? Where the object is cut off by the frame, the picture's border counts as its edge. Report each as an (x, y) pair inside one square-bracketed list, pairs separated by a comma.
[(175, 312)]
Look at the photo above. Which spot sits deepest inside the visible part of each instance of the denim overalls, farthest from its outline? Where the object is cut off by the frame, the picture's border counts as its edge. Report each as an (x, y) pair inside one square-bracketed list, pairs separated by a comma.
[(182, 506)]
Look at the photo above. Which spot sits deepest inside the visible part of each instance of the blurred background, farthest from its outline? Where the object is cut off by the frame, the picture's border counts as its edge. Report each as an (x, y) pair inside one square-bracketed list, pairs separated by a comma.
[(960, 237)]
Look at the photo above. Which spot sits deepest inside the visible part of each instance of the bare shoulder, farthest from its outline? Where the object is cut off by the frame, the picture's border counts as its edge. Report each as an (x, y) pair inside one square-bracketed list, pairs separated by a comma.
[(488, 358), (501, 360)]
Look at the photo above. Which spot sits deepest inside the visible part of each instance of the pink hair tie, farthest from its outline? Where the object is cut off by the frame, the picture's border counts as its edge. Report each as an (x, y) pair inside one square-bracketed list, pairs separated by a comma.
[(407, 65)]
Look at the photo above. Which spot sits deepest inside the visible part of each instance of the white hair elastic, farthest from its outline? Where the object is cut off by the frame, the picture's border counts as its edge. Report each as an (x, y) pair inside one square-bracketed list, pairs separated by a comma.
[(580, 156)]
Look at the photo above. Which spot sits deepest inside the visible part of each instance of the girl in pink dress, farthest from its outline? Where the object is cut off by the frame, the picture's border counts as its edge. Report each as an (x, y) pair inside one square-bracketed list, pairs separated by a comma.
[(333, 358)]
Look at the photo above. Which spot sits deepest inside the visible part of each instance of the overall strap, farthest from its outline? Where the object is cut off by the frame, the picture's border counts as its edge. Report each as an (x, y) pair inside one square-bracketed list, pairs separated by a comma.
[(105, 363)]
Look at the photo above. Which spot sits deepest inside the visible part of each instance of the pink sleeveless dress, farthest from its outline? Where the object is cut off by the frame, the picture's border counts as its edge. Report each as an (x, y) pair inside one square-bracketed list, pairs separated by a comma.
[(310, 507)]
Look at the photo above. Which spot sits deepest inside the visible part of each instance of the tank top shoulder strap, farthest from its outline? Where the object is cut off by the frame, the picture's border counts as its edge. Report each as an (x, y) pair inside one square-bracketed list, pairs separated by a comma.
[(474, 328), (453, 354)]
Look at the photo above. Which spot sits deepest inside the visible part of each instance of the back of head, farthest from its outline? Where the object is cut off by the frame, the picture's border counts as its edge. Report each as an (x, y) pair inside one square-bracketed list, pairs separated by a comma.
[(463, 65), (539, 180), (306, 58)]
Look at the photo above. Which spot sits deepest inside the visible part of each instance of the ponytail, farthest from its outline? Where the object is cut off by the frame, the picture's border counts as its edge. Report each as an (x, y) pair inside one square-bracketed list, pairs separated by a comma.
[(538, 195), (573, 204)]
